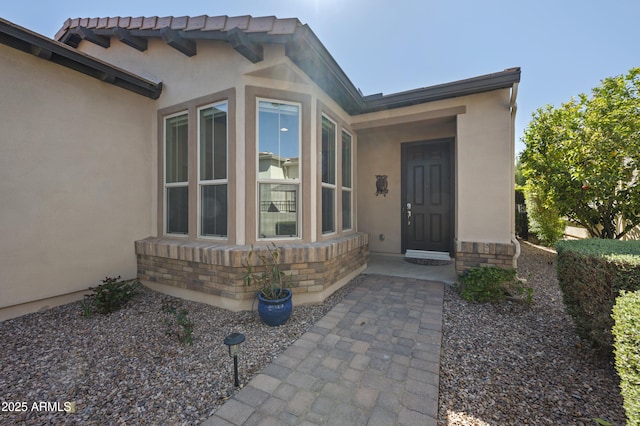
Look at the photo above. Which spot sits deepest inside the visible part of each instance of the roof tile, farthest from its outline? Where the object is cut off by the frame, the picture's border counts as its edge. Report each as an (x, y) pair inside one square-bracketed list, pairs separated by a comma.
[(215, 23), (149, 23), (196, 23), (241, 22), (163, 22), (284, 26), (261, 25), (179, 23), (136, 22)]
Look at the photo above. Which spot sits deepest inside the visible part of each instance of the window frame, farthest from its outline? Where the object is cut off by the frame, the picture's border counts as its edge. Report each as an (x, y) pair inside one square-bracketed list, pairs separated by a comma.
[(327, 185), (298, 182), (211, 182), (165, 184), (344, 188)]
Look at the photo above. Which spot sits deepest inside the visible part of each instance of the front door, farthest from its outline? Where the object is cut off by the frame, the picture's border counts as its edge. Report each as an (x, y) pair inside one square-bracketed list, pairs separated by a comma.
[(427, 200)]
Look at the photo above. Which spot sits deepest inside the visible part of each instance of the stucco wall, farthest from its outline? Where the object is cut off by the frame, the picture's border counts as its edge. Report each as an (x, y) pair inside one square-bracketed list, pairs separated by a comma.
[(485, 170), (75, 173)]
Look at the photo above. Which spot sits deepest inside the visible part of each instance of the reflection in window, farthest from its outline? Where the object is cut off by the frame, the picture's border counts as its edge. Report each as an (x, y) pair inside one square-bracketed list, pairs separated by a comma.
[(346, 180), (213, 170), (278, 162), (278, 210), (176, 174), (328, 175)]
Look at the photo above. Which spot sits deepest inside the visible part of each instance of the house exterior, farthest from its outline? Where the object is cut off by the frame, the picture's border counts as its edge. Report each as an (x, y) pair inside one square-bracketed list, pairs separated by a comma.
[(167, 147)]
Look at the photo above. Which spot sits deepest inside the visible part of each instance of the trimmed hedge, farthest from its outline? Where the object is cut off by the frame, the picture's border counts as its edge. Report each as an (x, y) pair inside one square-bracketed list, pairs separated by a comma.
[(626, 332), (591, 275)]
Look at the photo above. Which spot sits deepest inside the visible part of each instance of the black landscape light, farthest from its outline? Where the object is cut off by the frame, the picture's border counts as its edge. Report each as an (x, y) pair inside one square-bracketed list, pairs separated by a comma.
[(234, 340)]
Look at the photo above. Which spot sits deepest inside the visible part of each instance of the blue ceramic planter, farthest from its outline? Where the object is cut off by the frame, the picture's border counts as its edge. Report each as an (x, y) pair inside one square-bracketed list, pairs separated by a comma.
[(275, 312)]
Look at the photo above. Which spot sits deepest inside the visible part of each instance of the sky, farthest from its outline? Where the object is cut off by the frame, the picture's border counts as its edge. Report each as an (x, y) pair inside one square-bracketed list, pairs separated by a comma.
[(564, 47)]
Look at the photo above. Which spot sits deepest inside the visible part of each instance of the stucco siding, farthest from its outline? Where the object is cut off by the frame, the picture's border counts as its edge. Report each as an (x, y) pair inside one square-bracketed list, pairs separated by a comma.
[(485, 169), (75, 177)]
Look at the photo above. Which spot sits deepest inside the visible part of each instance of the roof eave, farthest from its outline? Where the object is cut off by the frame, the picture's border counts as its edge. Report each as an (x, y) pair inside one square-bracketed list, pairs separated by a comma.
[(485, 83), (30, 42), (310, 55)]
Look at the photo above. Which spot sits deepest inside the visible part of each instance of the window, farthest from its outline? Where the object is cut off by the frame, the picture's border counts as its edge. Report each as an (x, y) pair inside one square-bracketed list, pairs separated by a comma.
[(328, 175), (193, 189), (347, 186), (212, 181), (278, 169), (176, 181)]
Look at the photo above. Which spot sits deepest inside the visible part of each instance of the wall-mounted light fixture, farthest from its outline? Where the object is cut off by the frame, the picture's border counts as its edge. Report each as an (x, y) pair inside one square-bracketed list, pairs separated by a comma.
[(233, 341), (382, 185)]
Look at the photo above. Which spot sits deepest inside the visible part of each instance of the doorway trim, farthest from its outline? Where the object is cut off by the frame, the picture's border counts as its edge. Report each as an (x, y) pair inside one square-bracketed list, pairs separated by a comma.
[(405, 146)]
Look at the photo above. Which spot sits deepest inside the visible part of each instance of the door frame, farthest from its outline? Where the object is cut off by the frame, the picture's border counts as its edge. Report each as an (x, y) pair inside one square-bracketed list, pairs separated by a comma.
[(405, 146)]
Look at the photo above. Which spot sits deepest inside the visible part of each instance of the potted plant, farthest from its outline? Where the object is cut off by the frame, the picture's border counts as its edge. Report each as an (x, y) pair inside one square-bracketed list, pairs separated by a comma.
[(274, 298)]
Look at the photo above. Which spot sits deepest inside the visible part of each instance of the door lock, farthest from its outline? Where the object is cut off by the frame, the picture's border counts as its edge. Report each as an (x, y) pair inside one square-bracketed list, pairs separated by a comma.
[(409, 214)]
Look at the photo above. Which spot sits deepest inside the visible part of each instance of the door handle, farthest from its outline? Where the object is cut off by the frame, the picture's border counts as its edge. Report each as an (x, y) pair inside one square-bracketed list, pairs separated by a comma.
[(409, 214)]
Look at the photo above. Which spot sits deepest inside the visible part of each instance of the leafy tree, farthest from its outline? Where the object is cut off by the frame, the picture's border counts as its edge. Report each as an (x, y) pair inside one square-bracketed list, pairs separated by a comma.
[(520, 180), (583, 159)]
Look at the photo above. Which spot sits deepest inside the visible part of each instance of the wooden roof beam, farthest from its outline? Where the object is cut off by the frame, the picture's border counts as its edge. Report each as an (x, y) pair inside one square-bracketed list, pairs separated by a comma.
[(124, 35), (175, 40), (91, 36), (241, 43)]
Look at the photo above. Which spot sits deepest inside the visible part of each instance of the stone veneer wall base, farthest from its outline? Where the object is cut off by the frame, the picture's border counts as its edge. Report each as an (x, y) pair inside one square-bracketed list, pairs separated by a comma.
[(473, 254), (214, 273)]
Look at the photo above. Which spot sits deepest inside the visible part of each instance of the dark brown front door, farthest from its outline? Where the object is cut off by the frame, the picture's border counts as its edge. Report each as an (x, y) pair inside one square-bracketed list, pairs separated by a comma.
[(427, 196)]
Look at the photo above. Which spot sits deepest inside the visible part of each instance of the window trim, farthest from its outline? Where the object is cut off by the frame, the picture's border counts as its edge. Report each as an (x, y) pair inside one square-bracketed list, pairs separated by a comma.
[(298, 181), (191, 106), (212, 182)]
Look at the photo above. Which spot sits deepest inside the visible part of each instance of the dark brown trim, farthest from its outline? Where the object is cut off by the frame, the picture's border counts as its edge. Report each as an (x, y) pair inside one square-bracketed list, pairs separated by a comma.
[(471, 86), (174, 39), (124, 35), (247, 48), (29, 42)]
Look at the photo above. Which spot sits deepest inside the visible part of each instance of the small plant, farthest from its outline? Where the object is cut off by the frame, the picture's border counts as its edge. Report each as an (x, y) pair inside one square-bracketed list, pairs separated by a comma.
[(110, 296), (493, 284), (269, 278), (177, 322)]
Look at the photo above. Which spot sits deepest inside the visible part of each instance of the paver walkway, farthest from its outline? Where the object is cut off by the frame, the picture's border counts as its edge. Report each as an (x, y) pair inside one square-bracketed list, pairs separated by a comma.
[(373, 359)]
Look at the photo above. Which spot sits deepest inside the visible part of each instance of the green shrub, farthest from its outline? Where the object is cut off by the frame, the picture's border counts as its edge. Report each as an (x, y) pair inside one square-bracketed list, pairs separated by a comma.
[(177, 322), (591, 274), (626, 332), (492, 284), (544, 218), (110, 296)]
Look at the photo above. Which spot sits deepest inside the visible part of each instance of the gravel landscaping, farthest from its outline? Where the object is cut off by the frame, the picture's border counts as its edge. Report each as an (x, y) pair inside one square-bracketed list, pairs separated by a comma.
[(123, 368), (522, 365), (510, 364)]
